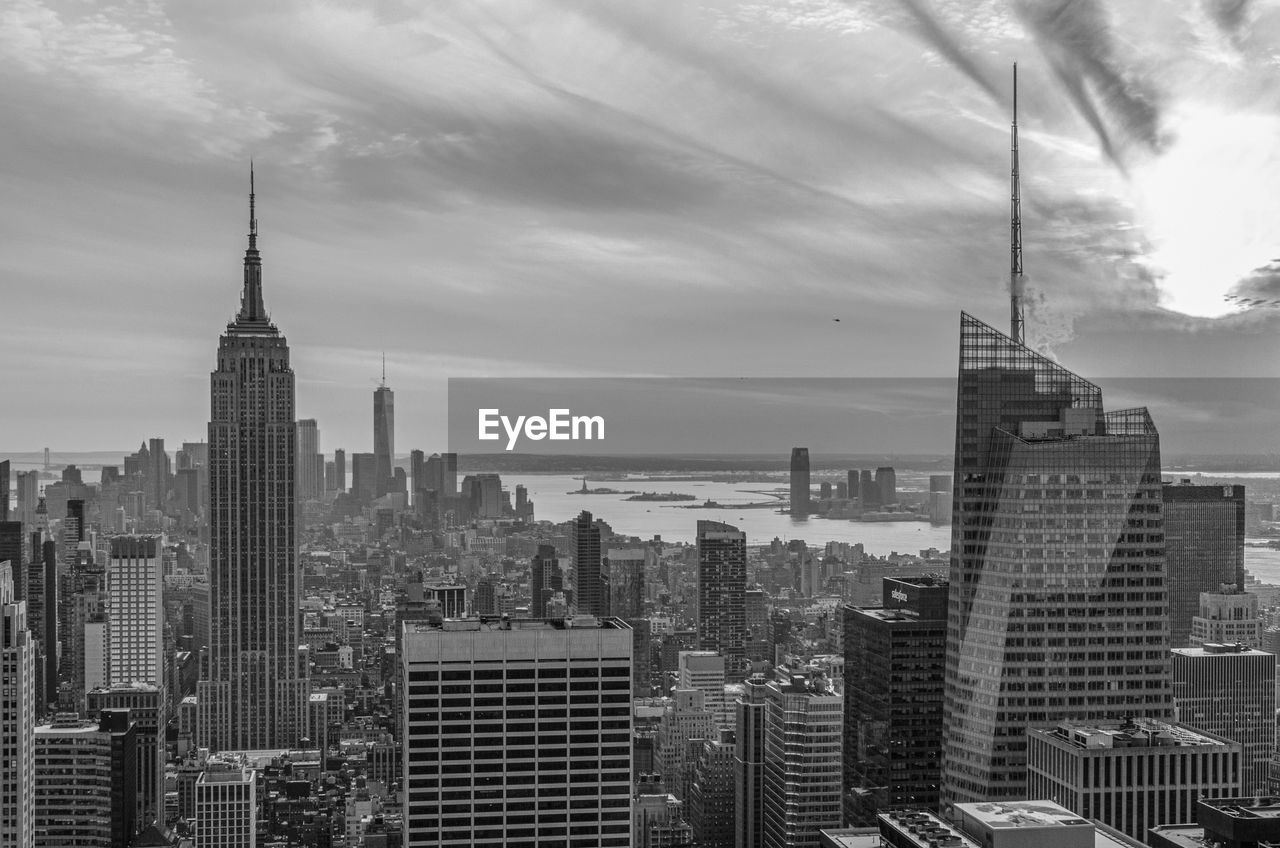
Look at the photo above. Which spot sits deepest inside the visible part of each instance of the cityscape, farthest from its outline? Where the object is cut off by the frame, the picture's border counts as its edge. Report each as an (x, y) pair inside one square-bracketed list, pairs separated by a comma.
[(1043, 628)]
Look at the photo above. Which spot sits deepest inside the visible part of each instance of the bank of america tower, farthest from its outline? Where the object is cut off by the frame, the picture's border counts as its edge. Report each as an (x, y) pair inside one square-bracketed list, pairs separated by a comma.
[(255, 692), (1057, 607)]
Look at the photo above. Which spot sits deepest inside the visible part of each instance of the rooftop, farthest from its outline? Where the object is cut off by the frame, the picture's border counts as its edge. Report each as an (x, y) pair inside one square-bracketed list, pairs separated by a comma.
[(1132, 733), (1030, 814), (1212, 649), (491, 623)]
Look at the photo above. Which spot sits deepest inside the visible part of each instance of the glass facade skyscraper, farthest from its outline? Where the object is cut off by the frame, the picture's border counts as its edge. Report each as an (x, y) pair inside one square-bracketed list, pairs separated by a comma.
[(722, 588), (1058, 607), (1204, 537)]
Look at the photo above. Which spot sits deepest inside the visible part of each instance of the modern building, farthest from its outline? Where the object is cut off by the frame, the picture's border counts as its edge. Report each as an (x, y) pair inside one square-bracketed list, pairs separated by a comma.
[(748, 764), (226, 806), (1131, 775), (545, 580), (340, 469), (800, 503), (590, 589), (364, 477), (442, 473), (722, 587), (1058, 608), (85, 779), (135, 611), (686, 717), (255, 696), (1227, 618), (517, 731), (802, 745), (384, 437), (149, 711), (17, 716), (1241, 822), (869, 491), (887, 483), (894, 663), (705, 671), (711, 812), (1230, 691), (625, 567), (1204, 544), (309, 462)]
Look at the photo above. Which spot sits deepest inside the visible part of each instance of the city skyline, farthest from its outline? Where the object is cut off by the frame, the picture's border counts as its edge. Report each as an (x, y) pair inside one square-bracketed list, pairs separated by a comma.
[(469, 205)]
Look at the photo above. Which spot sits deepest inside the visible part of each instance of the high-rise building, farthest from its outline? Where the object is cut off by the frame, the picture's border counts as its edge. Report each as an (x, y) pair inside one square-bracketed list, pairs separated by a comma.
[(894, 659), (226, 806), (1230, 690), (800, 505), (1227, 618), (135, 611), (1204, 544), (1058, 608), (4, 490), (84, 786), (589, 586), (869, 491), (149, 712), (705, 671), (722, 587), (519, 766), (711, 793), (545, 580), (1131, 775), (340, 469), (625, 567), (853, 484), (364, 477), (887, 483), (417, 473), (442, 473), (158, 474), (685, 717), (17, 716), (309, 462), (28, 496), (802, 767), (384, 438), (11, 552), (748, 764), (255, 696)]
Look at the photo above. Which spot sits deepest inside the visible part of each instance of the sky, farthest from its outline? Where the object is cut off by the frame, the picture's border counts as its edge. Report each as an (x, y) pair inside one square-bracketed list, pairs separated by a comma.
[(602, 188)]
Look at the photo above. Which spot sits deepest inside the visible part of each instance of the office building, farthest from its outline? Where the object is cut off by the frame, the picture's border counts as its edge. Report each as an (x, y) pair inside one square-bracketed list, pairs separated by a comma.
[(803, 719), (1058, 604), (887, 483), (710, 805), (28, 496), (625, 567), (226, 806), (545, 580), (1204, 543), (17, 716), (364, 467), (748, 764), (417, 473), (135, 611), (1230, 691), (309, 462), (340, 470), (1005, 824), (442, 473), (255, 696), (4, 490), (685, 717), (590, 587), (894, 662), (705, 671), (722, 586), (1241, 822), (1227, 618), (869, 491), (149, 711), (11, 552), (853, 484), (1131, 775), (384, 437), (800, 504), (659, 822), (493, 754), (85, 778)]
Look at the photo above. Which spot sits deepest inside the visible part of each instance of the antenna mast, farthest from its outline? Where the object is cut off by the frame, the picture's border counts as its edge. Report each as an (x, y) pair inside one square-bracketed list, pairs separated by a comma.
[(1016, 319)]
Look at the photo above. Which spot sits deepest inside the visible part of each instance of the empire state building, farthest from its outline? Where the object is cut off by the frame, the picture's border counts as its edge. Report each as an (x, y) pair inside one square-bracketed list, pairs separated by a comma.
[(255, 692)]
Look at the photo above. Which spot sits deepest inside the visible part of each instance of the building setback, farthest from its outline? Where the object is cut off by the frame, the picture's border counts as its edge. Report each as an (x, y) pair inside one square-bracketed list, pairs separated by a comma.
[(517, 732), (1133, 775)]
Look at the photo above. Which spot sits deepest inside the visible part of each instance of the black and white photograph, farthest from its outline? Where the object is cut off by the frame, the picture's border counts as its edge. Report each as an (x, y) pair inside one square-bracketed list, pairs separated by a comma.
[(667, 424)]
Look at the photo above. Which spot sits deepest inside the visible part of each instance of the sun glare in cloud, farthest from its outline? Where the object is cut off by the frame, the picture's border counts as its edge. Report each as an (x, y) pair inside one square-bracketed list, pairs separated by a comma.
[(1210, 208)]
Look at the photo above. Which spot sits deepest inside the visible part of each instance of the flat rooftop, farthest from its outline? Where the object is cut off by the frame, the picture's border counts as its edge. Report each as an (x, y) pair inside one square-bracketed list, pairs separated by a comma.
[(1249, 807), (1212, 649), (849, 837), (923, 827), (494, 623), (1005, 814), (1135, 733)]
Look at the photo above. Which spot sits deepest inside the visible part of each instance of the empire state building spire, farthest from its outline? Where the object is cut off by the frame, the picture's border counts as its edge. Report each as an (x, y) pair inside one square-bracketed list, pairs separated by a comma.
[(252, 310)]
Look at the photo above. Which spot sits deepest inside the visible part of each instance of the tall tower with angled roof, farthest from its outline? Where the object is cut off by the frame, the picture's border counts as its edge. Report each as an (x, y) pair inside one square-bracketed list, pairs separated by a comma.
[(255, 694), (1058, 607)]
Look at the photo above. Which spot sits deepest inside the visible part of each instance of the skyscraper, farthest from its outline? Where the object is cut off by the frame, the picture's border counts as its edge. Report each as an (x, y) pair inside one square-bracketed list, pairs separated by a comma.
[(544, 580), (589, 587), (4, 490), (803, 719), (417, 474), (309, 462), (722, 587), (256, 694), (484, 772), (748, 764), (340, 468), (1058, 607), (887, 483), (869, 492), (1204, 543), (384, 435), (17, 716), (800, 481), (135, 652)]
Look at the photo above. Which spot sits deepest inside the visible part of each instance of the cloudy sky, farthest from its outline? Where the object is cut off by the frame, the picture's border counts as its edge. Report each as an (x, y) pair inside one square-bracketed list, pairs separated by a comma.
[(598, 187)]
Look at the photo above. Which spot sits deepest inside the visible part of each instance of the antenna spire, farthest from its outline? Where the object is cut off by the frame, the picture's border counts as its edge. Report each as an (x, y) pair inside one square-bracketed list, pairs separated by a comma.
[(384, 369), (252, 309), (253, 216), (1016, 319)]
